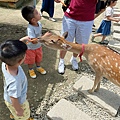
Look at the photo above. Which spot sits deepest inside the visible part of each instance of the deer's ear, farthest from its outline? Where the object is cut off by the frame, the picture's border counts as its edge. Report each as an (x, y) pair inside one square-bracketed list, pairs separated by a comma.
[(65, 34)]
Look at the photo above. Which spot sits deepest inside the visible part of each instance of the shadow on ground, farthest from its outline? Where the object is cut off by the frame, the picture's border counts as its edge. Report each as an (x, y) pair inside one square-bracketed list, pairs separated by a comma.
[(36, 87)]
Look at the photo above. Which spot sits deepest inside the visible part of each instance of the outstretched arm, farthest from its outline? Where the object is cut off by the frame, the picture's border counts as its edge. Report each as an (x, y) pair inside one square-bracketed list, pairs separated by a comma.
[(25, 39), (113, 19)]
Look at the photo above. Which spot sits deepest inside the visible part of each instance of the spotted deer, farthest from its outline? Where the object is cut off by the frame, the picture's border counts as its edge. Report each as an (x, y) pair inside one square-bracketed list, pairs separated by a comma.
[(104, 61)]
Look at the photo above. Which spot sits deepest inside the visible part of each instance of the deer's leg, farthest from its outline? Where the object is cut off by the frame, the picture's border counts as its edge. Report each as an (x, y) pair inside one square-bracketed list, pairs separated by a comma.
[(118, 112), (96, 85)]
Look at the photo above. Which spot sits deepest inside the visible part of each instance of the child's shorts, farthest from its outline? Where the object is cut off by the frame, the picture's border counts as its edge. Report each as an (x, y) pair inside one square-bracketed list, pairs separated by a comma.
[(25, 107), (33, 56)]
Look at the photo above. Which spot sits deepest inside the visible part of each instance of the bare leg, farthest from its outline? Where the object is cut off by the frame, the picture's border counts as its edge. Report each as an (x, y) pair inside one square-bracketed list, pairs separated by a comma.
[(97, 34), (30, 66), (38, 64), (62, 54), (103, 38)]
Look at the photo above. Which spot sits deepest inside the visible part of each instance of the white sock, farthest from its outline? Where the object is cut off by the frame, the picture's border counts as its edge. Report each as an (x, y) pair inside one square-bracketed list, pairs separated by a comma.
[(61, 60)]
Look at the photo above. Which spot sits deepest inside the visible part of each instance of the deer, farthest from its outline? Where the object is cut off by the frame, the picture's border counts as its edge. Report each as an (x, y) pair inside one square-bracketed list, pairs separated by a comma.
[(104, 61)]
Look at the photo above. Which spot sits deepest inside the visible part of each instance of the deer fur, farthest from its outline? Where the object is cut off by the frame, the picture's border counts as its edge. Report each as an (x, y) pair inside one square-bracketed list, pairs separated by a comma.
[(104, 61)]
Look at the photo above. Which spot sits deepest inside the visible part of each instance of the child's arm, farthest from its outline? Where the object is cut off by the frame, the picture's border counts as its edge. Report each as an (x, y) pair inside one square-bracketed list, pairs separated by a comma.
[(113, 19), (25, 39), (17, 106), (36, 40), (116, 15)]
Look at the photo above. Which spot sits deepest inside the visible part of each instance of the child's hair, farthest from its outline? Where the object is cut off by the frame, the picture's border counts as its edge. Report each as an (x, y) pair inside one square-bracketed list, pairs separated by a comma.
[(12, 51), (109, 2), (28, 12)]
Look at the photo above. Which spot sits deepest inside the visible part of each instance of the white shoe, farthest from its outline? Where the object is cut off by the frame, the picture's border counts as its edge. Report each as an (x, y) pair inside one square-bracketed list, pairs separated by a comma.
[(52, 19), (61, 67), (74, 63)]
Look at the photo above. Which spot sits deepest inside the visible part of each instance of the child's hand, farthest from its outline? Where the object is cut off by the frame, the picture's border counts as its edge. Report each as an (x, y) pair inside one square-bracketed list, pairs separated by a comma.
[(33, 40), (20, 112), (25, 39), (117, 20)]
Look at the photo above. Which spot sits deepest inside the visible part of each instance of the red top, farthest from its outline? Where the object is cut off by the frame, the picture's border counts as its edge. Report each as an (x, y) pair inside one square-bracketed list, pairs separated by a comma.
[(82, 10)]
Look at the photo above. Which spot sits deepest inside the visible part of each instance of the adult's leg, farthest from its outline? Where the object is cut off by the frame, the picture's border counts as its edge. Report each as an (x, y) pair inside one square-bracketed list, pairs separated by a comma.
[(45, 6), (51, 8), (67, 25)]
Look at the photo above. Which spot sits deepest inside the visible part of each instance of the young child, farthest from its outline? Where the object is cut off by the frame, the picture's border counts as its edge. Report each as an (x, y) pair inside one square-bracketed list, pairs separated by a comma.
[(12, 54), (105, 27), (34, 53)]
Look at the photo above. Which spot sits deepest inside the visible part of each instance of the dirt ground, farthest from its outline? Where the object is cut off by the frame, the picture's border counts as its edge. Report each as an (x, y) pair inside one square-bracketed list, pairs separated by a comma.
[(13, 26)]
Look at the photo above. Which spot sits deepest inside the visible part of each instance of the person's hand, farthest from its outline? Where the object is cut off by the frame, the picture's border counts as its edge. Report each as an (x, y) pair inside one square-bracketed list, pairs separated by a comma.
[(57, 1), (25, 39), (117, 20), (20, 112)]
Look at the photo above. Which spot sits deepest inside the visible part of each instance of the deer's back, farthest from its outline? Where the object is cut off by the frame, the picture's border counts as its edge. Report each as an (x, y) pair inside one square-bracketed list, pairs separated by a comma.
[(105, 62)]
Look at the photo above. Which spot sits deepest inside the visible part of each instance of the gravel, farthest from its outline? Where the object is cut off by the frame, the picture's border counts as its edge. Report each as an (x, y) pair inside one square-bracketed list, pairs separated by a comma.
[(64, 90)]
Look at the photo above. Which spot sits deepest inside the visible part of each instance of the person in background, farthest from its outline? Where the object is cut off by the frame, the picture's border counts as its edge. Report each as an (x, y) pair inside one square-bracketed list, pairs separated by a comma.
[(12, 55), (34, 53), (48, 6), (105, 26), (78, 21), (100, 7), (67, 3)]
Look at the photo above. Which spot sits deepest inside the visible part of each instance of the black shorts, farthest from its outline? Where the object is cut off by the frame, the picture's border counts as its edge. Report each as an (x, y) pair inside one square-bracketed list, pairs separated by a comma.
[(99, 6)]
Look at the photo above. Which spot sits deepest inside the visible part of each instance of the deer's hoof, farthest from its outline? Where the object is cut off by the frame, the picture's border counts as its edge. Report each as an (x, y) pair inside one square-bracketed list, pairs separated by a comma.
[(90, 91), (96, 90)]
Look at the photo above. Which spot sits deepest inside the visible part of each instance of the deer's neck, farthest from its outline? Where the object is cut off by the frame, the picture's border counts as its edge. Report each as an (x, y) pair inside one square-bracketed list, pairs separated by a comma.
[(77, 48)]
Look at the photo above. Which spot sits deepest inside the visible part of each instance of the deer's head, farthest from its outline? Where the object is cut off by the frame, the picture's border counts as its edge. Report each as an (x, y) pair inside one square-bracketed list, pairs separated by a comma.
[(56, 42)]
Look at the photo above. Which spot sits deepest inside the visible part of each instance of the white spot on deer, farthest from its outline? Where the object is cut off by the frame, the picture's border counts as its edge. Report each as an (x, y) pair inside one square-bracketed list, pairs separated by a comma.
[(95, 60), (91, 55), (116, 65), (103, 61), (108, 62), (104, 52), (115, 59), (110, 75)]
